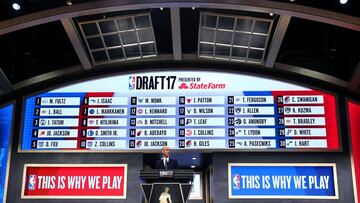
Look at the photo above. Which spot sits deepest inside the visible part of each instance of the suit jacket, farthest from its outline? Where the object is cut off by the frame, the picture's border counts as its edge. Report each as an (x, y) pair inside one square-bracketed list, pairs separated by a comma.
[(172, 164)]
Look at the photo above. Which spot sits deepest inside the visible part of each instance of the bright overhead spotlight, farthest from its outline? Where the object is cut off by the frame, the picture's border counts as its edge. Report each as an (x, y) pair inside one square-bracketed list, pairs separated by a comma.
[(194, 158), (292, 0), (161, 8), (192, 166), (343, 1), (271, 14), (69, 3), (193, 8), (16, 6)]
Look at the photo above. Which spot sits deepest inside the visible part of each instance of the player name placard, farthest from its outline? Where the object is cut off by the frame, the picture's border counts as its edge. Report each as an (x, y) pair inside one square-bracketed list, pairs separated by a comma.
[(254, 144), (307, 132), (57, 112), (202, 132), (58, 101), (56, 133), (202, 121), (56, 144), (253, 100), (154, 111), (204, 100), (151, 144), (107, 111), (153, 100), (199, 144), (252, 121), (105, 144), (202, 111), (109, 122), (101, 101), (304, 110), (306, 143), (265, 110), (57, 122), (303, 99), (152, 132), (304, 121), (252, 132), (104, 133), (152, 122)]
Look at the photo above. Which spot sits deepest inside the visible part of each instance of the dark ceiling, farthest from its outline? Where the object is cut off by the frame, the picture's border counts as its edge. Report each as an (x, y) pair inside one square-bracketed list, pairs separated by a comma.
[(36, 50), (30, 6), (44, 48), (321, 47)]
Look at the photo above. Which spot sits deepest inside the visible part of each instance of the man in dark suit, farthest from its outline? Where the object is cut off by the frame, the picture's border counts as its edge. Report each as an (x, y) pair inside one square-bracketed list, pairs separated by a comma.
[(165, 162)]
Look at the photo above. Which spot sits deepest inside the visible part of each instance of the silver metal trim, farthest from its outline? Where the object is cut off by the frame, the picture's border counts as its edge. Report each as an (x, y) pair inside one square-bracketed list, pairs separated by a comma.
[(277, 40), (75, 40), (233, 32), (279, 8), (176, 33), (354, 83), (103, 41), (47, 76), (311, 73), (119, 33), (187, 57), (5, 84), (248, 47)]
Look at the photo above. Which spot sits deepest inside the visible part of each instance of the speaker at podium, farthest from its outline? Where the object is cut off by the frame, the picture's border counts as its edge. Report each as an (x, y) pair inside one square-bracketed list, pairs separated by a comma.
[(166, 186)]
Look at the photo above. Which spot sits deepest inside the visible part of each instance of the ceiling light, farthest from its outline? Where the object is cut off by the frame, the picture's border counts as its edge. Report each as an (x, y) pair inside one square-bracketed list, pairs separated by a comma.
[(192, 166), (69, 3), (292, 0), (343, 1), (161, 8), (271, 14), (16, 6), (193, 8), (194, 158)]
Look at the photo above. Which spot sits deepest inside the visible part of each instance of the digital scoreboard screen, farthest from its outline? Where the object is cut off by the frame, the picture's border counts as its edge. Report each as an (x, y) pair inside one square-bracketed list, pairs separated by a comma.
[(183, 110), (6, 118)]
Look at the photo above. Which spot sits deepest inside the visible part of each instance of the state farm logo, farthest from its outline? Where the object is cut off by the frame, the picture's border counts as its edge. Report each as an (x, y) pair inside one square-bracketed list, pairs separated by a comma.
[(183, 86), (202, 86)]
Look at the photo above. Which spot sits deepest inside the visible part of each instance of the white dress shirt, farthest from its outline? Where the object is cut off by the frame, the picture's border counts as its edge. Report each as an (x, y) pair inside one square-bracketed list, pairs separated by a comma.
[(165, 160)]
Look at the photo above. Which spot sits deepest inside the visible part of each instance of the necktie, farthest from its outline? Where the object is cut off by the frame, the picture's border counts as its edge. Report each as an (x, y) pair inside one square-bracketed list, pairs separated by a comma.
[(166, 163)]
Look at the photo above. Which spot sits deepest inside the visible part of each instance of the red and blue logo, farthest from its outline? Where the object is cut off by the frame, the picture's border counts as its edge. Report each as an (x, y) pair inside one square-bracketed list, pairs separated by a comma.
[(132, 82), (236, 181), (32, 182)]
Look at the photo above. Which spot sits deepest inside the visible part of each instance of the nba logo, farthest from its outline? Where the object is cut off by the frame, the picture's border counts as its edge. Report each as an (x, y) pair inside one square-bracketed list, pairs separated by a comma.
[(32, 182), (236, 181), (131, 82)]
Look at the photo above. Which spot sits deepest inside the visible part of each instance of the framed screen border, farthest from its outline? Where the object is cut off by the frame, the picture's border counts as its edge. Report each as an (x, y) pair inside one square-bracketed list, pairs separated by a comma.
[(23, 181), (6, 184), (333, 165)]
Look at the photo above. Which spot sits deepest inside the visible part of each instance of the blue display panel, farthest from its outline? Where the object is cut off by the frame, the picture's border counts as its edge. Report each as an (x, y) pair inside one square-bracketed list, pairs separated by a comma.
[(183, 110), (6, 114), (300, 181)]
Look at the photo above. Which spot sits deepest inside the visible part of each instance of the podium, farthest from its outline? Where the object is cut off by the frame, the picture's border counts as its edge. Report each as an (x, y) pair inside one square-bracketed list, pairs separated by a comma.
[(166, 186)]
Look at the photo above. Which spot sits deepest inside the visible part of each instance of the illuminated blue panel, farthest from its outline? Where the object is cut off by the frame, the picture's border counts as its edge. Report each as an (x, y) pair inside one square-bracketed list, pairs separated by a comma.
[(283, 181), (5, 130)]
